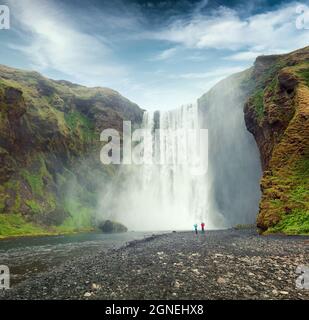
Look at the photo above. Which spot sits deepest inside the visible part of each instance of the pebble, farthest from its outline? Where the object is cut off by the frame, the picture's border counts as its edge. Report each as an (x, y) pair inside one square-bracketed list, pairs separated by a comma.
[(95, 286), (88, 294), (221, 280), (283, 292)]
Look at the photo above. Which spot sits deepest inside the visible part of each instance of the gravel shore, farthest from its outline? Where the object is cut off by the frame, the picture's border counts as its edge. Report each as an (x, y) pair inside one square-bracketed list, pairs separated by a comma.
[(229, 264)]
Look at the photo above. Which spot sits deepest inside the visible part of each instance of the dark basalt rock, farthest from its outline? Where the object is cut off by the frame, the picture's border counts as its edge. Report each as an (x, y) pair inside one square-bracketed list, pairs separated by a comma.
[(109, 226)]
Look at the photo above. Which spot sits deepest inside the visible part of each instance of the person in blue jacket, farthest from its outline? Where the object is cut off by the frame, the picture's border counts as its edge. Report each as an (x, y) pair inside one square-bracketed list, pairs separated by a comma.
[(195, 228)]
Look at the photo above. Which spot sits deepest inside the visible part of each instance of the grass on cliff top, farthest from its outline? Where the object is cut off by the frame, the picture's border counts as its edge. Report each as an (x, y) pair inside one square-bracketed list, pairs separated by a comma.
[(270, 73), (303, 72), (266, 83)]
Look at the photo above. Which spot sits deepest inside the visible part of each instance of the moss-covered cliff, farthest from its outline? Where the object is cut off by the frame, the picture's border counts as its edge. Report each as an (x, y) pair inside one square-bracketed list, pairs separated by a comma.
[(49, 151), (277, 113)]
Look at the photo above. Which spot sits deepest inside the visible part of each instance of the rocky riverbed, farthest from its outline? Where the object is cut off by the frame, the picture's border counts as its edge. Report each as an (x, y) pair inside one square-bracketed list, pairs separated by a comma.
[(230, 264)]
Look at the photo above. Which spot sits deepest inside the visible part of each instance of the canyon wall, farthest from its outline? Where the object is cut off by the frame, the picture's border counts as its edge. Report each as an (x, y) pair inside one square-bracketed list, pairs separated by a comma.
[(49, 150), (277, 114)]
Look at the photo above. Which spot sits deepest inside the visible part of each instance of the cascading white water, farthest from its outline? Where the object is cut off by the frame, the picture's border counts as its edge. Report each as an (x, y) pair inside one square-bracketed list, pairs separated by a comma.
[(169, 194), (177, 195)]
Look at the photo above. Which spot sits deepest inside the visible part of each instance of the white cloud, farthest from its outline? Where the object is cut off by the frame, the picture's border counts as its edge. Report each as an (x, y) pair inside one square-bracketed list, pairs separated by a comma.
[(56, 44), (251, 55), (216, 73), (60, 39), (164, 55), (225, 29), (243, 56)]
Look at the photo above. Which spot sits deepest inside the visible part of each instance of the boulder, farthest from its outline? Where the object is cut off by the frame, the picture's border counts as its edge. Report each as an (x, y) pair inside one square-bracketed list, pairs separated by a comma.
[(109, 226)]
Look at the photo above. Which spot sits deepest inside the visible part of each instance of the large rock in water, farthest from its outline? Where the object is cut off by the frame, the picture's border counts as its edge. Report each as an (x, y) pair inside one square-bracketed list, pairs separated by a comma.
[(49, 147), (108, 226), (277, 114)]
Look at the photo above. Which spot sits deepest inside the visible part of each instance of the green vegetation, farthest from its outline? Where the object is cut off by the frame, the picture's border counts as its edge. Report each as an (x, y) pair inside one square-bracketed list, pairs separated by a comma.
[(15, 225), (53, 178), (80, 124), (80, 216), (258, 102), (292, 203), (271, 73), (34, 206), (51, 201), (12, 225), (35, 181), (14, 187), (304, 74), (78, 202), (272, 89), (297, 222), (277, 115)]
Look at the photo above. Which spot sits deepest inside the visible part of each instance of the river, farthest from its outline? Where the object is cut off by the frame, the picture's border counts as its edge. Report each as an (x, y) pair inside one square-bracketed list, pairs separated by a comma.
[(28, 256)]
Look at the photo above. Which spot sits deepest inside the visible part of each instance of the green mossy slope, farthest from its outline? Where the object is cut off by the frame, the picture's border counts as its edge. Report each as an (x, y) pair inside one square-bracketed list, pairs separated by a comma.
[(277, 114), (50, 172)]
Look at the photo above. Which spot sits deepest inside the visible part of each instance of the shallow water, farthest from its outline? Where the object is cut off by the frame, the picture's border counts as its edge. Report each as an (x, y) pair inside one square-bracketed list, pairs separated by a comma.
[(31, 255)]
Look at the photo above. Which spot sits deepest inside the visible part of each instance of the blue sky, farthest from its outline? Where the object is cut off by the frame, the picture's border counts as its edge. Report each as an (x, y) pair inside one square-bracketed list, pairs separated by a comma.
[(158, 54)]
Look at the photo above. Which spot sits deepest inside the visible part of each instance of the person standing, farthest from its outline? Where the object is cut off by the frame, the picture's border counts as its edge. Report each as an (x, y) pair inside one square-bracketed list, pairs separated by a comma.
[(203, 227), (195, 228)]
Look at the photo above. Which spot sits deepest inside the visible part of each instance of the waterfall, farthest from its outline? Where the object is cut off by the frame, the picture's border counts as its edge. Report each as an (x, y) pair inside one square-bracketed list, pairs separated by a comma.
[(171, 193), (165, 193), (234, 166), (177, 196)]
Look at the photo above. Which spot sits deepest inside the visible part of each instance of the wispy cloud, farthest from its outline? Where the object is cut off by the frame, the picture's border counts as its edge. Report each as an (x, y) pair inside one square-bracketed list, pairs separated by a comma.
[(243, 56), (225, 29), (251, 55), (119, 43), (165, 54), (55, 43), (217, 73)]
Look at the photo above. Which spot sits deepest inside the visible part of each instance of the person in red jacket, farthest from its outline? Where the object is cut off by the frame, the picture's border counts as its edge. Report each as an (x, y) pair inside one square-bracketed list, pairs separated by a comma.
[(203, 227)]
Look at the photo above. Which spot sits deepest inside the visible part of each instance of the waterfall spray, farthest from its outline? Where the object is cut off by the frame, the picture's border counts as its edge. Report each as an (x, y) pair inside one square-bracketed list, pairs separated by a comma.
[(170, 193), (164, 193)]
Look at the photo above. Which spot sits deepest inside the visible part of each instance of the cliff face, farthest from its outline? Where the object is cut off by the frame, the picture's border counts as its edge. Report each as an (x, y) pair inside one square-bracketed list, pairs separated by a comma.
[(49, 149), (277, 114)]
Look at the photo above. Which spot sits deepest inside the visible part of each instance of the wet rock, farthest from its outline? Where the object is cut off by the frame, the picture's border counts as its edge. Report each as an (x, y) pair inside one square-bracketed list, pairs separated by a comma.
[(108, 226)]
